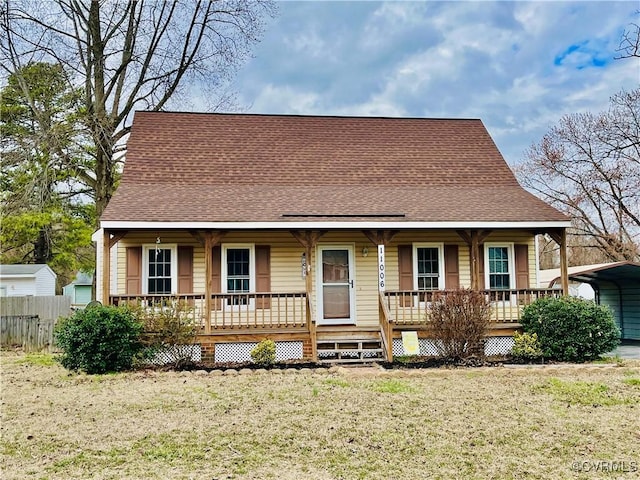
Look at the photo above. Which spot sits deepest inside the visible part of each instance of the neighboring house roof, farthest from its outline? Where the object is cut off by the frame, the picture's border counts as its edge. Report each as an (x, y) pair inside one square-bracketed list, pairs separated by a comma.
[(22, 270), (233, 168), (82, 278), (614, 271)]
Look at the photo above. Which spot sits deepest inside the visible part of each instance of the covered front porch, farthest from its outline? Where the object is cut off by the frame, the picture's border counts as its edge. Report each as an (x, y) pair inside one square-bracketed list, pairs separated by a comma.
[(320, 291)]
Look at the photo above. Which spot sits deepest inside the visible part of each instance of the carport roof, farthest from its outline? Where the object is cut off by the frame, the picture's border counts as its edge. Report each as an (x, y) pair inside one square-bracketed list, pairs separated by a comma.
[(617, 272)]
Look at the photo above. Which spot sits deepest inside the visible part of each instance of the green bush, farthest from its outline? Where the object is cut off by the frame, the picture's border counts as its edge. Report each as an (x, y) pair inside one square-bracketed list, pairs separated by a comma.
[(264, 353), (99, 339), (526, 346), (458, 321), (571, 329)]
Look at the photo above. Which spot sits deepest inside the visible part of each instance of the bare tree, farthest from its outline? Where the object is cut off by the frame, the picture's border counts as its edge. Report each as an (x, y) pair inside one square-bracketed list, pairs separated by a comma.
[(130, 55), (589, 166), (630, 43)]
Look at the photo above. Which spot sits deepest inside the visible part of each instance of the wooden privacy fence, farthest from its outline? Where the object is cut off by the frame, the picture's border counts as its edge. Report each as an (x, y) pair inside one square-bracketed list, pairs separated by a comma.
[(27, 331), (48, 308)]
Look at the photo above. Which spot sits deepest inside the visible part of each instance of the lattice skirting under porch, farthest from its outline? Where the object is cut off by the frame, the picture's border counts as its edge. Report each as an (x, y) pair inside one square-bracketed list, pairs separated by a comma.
[(492, 346), (241, 352), (175, 352)]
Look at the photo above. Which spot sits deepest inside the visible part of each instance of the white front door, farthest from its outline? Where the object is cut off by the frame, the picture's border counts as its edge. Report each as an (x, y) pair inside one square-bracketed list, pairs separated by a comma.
[(336, 299)]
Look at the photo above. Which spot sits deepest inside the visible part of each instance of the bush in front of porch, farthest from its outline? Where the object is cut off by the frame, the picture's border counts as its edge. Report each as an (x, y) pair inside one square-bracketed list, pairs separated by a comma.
[(458, 323), (168, 334), (99, 339), (571, 329)]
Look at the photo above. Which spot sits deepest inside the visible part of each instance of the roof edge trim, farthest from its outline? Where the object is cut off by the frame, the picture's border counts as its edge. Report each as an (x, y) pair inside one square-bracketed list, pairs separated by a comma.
[(326, 224)]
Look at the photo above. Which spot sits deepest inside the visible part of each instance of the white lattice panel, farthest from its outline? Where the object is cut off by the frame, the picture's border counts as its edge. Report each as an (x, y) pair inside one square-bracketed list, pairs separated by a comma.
[(498, 345), (492, 346), (174, 353), (241, 352), (427, 347)]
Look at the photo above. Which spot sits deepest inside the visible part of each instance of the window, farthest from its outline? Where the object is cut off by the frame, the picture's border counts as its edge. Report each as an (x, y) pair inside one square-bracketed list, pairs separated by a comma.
[(160, 269), (238, 271), (499, 267), (428, 265)]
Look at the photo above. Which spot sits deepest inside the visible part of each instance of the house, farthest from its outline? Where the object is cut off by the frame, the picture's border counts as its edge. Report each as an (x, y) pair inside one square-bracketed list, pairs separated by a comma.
[(27, 280), (615, 284), (79, 290), (329, 235)]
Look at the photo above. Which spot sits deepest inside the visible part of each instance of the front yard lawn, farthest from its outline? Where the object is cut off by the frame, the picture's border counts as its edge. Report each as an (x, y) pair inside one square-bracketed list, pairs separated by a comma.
[(553, 422)]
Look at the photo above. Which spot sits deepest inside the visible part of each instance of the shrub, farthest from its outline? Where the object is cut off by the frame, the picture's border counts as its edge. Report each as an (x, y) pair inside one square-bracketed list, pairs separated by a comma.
[(99, 339), (264, 353), (526, 346), (458, 322), (571, 329), (169, 332)]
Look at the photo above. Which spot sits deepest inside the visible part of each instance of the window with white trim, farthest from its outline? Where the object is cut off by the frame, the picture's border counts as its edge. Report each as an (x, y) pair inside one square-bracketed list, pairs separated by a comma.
[(160, 269), (428, 266), (499, 266), (238, 271)]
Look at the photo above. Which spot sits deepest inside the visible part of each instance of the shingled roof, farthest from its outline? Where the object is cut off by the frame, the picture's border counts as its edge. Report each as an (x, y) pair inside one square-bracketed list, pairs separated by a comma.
[(227, 168)]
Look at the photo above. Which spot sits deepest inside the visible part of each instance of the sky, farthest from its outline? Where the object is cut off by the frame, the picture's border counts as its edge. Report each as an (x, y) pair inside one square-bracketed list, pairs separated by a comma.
[(518, 66)]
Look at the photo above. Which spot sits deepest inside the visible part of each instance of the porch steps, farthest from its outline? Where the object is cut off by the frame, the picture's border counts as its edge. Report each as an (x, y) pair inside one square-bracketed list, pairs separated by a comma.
[(350, 350)]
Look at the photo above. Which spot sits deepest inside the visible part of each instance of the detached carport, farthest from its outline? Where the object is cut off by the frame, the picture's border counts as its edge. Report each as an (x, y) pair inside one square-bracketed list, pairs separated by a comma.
[(618, 286)]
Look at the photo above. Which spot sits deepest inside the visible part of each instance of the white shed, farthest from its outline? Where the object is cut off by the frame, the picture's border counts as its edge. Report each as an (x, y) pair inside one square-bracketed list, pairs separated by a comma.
[(27, 280)]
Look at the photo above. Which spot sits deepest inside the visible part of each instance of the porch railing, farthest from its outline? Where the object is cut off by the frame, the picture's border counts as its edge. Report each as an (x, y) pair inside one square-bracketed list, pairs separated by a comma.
[(258, 310), (231, 310), (386, 327), (411, 307), (190, 306)]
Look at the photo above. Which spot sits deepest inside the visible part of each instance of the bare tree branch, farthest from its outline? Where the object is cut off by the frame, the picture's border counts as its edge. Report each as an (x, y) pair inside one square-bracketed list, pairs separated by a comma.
[(589, 167)]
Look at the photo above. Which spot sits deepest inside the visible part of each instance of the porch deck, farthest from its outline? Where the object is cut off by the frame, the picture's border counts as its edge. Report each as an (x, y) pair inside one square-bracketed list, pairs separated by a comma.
[(289, 316)]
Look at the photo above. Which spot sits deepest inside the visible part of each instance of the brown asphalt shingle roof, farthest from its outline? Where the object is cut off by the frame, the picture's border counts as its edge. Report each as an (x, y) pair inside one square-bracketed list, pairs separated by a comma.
[(279, 168)]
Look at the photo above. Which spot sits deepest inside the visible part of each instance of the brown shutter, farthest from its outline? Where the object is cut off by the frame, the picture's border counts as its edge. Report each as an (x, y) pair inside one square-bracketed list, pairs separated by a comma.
[(216, 269), (185, 269), (522, 265), (133, 284), (216, 274), (263, 274), (405, 271), (451, 269)]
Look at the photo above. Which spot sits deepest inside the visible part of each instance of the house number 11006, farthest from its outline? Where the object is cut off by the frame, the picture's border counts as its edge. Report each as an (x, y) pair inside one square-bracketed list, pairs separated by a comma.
[(381, 268)]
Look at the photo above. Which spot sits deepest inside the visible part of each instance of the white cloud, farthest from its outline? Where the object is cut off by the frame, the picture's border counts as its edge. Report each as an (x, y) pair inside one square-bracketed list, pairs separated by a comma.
[(286, 99), (499, 61)]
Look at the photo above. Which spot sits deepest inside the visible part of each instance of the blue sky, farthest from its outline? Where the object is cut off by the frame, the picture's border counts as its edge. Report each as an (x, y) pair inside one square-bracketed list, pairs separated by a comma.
[(519, 66)]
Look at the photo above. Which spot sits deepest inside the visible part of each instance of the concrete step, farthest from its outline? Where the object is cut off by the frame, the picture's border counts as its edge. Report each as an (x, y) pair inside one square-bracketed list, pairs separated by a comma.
[(350, 350)]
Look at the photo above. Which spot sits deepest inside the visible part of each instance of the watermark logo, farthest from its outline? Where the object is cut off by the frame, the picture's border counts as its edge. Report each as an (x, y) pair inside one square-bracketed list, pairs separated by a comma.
[(599, 466)]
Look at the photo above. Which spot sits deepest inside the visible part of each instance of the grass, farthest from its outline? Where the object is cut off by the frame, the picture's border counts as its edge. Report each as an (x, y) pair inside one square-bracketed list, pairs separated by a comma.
[(353, 424)]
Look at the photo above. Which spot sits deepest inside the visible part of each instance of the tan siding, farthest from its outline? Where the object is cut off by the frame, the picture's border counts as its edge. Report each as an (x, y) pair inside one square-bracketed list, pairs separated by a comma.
[(464, 257), (366, 287)]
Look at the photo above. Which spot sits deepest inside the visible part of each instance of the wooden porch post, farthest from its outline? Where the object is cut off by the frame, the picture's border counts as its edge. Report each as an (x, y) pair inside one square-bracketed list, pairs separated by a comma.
[(473, 241), (560, 237), (208, 240), (309, 239), (208, 251), (475, 261), (106, 266), (564, 268), (382, 238)]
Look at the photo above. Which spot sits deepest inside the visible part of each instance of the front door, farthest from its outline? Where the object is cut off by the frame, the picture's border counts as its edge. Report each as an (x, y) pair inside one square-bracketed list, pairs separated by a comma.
[(336, 285)]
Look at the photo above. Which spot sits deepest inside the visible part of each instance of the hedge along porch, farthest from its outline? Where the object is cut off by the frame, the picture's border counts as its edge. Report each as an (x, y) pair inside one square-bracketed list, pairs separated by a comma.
[(273, 229)]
